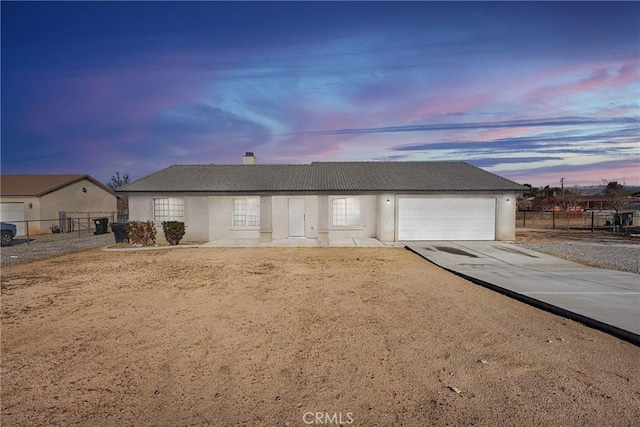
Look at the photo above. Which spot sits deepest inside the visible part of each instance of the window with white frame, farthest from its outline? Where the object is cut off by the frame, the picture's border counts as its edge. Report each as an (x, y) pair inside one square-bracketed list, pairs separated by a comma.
[(345, 212), (168, 209), (246, 212)]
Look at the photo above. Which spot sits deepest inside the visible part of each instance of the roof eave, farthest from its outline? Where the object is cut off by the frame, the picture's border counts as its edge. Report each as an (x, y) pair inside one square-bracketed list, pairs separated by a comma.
[(73, 181), (324, 191)]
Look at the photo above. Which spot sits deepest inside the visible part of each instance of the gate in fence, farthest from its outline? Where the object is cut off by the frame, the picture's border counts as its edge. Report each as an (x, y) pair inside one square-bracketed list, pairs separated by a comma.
[(82, 221)]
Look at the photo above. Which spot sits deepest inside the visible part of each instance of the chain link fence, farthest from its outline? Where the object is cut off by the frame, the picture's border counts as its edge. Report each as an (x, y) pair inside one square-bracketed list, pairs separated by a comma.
[(590, 220), (68, 225)]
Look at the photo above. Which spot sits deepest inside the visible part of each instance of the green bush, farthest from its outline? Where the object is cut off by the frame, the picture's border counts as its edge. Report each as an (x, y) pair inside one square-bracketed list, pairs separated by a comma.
[(141, 232), (173, 231)]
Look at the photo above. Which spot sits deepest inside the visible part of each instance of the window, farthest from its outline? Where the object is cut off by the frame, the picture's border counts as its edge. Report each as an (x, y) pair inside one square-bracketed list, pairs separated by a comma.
[(246, 212), (168, 210), (346, 212)]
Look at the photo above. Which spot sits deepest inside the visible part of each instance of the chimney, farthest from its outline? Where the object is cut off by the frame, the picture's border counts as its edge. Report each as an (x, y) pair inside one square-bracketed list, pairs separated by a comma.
[(249, 159)]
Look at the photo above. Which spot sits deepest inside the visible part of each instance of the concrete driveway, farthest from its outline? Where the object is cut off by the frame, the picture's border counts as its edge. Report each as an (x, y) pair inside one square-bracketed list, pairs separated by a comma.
[(605, 299)]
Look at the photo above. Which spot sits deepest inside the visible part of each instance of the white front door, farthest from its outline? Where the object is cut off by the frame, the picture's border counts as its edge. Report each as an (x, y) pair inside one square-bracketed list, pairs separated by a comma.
[(296, 217)]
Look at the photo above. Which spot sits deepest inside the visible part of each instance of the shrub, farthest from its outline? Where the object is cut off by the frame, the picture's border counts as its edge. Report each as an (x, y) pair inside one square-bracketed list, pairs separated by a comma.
[(173, 231), (141, 232)]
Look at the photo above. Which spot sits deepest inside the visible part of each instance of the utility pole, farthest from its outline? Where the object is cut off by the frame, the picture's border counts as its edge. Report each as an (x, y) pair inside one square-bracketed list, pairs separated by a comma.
[(562, 190)]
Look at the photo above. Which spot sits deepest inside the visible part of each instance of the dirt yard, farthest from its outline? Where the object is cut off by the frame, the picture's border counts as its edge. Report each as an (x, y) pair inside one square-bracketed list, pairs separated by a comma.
[(295, 336)]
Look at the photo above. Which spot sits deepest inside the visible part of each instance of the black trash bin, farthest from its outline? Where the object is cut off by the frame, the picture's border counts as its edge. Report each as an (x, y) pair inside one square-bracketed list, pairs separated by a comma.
[(101, 225), (120, 232)]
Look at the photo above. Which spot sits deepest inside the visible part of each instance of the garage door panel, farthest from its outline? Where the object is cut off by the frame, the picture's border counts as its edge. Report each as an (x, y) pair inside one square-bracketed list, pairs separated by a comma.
[(439, 235), (446, 218), (13, 213)]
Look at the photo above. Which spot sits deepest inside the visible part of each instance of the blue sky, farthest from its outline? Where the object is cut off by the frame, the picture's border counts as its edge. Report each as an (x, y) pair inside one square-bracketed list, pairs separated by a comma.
[(532, 91)]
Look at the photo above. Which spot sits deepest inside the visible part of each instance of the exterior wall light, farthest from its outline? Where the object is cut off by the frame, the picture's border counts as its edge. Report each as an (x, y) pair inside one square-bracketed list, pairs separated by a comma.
[(30, 205), (84, 189)]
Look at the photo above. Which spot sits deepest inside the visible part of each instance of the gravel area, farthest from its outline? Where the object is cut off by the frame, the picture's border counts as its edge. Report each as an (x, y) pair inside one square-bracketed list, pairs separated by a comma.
[(51, 245), (612, 256)]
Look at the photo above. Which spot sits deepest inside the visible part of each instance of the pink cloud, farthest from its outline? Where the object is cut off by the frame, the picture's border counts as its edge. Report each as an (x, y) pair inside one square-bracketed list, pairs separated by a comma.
[(620, 111), (516, 92), (521, 95), (560, 84), (500, 133)]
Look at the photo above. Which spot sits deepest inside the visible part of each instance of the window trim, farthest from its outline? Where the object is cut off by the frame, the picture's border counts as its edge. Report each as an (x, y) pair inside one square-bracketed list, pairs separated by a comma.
[(170, 210), (244, 226), (360, 224)]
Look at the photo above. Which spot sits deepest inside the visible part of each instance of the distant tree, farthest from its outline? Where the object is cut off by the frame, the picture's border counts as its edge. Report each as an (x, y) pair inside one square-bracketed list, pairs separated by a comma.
[(548, 195), (571, 200), (524, 203), (531, 191), (612, 188), (118, 181), (551, 191), (616, 197)]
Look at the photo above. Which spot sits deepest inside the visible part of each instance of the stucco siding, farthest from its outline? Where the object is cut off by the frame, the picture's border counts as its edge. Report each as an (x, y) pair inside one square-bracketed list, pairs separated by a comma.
[(72, 198), (506, 216), (211, 217), (386, 217), (140, 207)]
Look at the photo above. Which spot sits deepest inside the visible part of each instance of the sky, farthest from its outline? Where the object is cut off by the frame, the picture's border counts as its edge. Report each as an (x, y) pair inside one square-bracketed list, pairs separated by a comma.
[(532, 91)]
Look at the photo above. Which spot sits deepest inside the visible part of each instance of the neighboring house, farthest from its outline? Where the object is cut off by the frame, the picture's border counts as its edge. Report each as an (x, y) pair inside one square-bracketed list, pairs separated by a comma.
[(390, 201), (39, 199)]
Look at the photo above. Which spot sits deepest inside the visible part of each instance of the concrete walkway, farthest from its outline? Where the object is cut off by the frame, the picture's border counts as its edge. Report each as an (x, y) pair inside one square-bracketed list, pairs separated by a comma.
[(255, 243), (297, 242), (604, 299)]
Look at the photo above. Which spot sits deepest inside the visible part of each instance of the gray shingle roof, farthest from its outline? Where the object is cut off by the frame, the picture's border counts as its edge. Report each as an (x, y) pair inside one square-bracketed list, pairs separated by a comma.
[(340, 177)]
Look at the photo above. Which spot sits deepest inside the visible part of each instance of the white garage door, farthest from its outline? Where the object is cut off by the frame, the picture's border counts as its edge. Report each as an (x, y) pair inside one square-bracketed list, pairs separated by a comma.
[(446, 219), (13, 212)]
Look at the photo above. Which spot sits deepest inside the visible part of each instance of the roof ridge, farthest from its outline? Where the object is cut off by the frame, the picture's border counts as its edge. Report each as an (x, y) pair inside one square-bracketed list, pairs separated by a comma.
[(391, 161)]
